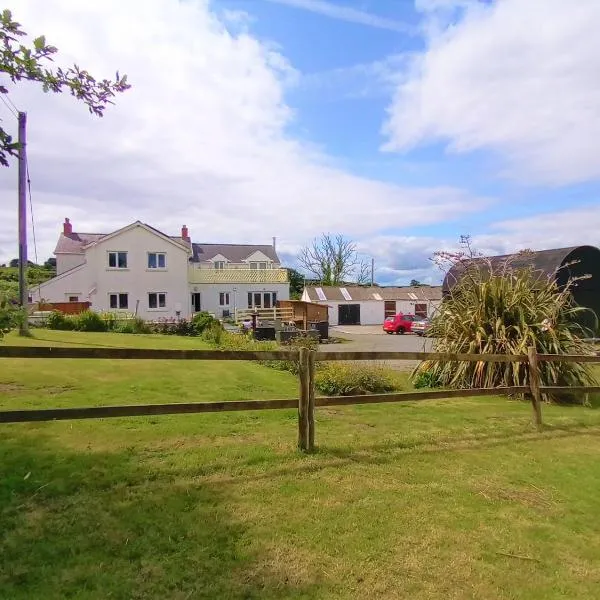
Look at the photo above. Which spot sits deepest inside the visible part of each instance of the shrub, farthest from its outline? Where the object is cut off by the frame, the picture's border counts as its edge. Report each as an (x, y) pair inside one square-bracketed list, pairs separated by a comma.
[(10, 315), (505, 311), (351, 379), (213, 334), (201, 321), (57, 320), (89, 320), (425, 379)]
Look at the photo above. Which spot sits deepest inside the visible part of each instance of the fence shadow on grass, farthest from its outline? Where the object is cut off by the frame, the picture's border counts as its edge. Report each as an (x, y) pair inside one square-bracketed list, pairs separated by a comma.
[(99, 525)]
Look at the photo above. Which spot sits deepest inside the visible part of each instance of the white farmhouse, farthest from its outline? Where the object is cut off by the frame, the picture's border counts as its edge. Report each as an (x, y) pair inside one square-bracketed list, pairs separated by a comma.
[(138, 269), (360, 305)]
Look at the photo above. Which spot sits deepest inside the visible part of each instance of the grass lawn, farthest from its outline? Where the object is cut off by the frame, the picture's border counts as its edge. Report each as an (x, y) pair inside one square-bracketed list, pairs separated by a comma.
[(441, 499)]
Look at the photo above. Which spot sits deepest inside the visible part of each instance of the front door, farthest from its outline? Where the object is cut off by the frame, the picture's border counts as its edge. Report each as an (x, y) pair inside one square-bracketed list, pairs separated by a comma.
[(349, 314), (196, 304)]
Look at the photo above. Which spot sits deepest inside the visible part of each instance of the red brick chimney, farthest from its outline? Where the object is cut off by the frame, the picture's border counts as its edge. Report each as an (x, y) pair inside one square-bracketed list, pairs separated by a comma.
[(185, 234), (67, 227)]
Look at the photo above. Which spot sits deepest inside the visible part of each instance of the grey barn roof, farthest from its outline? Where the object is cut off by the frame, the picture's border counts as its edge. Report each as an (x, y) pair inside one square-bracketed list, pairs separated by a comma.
[(235, 253), (363, 294), (544, 262)]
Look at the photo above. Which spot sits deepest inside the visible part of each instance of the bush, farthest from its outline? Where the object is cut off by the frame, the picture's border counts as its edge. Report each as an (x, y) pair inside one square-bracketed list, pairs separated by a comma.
[(505, 310), (10, 315), (425, 379), (213, 334), (351, 379), (202, 321), (57, 320), (89, 321)]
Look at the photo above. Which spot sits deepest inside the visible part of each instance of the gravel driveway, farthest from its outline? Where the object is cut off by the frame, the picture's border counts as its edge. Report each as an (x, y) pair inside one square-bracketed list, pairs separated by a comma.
[(371, 338)]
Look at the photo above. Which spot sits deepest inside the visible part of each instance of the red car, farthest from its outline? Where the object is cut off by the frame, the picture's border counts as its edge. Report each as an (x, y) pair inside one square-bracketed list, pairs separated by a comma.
[(401, 323)]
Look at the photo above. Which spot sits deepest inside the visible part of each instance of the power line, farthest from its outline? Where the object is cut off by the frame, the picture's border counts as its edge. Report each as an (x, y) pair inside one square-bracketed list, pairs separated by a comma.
[(31, 211), (12, 103), (14, 110)]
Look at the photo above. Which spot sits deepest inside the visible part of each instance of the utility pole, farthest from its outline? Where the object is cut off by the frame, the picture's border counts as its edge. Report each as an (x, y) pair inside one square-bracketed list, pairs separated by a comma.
[(372, 272), (23, 296)]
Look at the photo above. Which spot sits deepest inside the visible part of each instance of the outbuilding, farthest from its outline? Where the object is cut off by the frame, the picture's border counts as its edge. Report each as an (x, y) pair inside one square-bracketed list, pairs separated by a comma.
[(370, 305)]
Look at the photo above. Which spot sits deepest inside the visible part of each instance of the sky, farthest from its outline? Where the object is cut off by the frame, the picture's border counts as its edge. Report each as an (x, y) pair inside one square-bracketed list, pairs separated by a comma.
[(400, 124)]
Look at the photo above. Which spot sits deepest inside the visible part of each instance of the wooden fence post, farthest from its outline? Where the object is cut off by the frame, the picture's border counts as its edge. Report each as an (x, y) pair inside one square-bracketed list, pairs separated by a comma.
[(303, 399), (312, 356), (534, 386)]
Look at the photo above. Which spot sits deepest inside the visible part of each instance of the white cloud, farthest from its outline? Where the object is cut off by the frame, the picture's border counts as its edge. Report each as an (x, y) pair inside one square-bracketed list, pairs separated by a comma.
[(200, 139), (347, 13), (519, 78), (402, 258)]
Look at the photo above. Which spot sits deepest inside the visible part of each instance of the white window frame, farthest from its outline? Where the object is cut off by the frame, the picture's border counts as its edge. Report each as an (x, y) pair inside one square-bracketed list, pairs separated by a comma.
[(259, 265), (224, 299), (118, 296), (158, 303), (219, 264), (156, 260), (116, 255)]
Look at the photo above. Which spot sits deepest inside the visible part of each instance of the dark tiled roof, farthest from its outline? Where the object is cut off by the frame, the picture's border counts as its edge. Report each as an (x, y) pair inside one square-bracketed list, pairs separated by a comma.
[(545, 263), (235, 253), (362, 294), (73, 243)]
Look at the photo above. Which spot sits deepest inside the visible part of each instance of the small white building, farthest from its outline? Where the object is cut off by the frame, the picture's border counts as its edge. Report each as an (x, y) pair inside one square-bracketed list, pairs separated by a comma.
[(139, 269), (360, 305)]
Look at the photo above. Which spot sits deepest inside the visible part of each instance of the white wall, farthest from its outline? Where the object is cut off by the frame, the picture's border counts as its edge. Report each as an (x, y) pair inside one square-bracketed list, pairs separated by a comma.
[(238, 298), (58, 289), (64, 262), (137, 280)]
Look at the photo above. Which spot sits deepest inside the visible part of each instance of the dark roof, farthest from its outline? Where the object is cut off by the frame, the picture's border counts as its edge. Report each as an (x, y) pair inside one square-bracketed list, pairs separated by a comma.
[(73, 243), (545, 263), (235, 253), (359, 293)]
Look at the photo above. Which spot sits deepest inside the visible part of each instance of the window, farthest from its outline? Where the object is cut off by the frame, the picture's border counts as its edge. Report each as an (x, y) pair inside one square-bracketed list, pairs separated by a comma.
[(258, 265), (119, 301), (219, 264), (224, 299), (73, 298), (262, 299), (157, 260), (157, 300), (117, 260), (421, 310)]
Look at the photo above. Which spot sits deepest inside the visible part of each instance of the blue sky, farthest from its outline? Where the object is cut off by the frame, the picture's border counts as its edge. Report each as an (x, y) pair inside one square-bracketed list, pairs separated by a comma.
[(345, 84), (399, 124)]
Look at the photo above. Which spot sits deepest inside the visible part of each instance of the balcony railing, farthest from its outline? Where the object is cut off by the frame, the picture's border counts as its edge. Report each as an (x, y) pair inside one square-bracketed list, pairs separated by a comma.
[(237, 275)]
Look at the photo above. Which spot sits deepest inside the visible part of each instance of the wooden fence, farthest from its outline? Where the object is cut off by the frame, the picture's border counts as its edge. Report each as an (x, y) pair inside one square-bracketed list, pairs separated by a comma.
[(307, 401)]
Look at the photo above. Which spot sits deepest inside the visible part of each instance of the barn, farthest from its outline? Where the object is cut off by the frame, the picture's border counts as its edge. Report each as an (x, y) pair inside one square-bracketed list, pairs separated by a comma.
[(560, 264), (361, 305)]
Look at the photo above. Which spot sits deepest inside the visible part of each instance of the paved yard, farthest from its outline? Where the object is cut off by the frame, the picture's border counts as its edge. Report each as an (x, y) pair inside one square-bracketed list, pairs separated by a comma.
[(371, 338)]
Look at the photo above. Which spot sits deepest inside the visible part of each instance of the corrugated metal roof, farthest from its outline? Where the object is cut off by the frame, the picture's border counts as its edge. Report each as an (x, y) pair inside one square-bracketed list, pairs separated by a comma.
[(363, 294), (544, 262), (235, 253)]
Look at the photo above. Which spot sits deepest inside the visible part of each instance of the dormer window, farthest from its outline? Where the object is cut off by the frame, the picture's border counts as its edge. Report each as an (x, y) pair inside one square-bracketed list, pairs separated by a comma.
[(219, 264), (258, 265)]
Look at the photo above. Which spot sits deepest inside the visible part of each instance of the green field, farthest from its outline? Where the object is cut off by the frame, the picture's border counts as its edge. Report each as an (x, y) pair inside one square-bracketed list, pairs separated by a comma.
[(439, 499)]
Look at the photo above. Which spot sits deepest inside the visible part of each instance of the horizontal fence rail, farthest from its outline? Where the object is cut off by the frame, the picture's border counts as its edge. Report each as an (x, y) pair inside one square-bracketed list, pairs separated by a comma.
[(142, 410), (307, 401)]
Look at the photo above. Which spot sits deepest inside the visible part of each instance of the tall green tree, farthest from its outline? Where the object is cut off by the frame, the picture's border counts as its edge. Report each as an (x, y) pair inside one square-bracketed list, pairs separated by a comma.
[(29, 62), (296, 280)]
